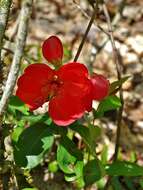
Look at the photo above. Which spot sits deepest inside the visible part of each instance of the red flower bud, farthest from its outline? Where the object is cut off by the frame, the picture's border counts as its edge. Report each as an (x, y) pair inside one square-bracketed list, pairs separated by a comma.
[(100, 86), (52, 50)]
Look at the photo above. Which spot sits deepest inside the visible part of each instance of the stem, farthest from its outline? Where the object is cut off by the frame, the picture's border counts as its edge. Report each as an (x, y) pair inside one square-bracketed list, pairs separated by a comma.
[(87, 31), (119, 72), (20, 43), (4, 12), (86, 15)]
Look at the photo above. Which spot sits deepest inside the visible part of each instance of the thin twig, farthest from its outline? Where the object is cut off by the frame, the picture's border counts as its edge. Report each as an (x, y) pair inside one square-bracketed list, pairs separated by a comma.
[(119, 72), (4, 12), (96, 25), (20, 43), (87, 31), (10, 39)]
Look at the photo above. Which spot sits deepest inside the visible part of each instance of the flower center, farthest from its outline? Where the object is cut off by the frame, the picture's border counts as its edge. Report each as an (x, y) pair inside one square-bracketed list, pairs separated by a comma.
[(55, 85), (52, 87)]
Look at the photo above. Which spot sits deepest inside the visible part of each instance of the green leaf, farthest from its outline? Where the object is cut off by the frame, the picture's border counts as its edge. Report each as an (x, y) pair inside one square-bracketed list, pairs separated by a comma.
[(141, 183), (89, 134), (58, 130), (133, 156), (32, 144), (71, 147), (16, 104), (104, 155), (123, 168), (16, 133), (95, 132), (67, 155), (65, 160), (83, 131), (43, 118), (116, 183), (129, 183), (70, 177), (79, 174), (93, 171), (109, 103), (33, 161), (116, 85), (53, 166), (101, 183), (79, 168), (30, 189)]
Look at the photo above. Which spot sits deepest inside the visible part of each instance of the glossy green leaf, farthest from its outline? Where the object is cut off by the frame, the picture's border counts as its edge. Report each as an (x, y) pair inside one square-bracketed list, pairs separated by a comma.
[(123, 168), (32, 144), (16, 104), (116, 183), (67, 155), (16, 133), (95, 133), (58, 130), (93, 171), (83, 131), (70, 177), (79, 174), (65, 160), (89, 135), (79, 168), (42, 118), (129, 183), (101, 183), (109, 103), (104, 155)]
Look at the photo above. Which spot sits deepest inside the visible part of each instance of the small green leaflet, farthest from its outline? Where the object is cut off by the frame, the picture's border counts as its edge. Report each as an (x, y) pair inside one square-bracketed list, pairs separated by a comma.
[(16, 104), (109, 103)]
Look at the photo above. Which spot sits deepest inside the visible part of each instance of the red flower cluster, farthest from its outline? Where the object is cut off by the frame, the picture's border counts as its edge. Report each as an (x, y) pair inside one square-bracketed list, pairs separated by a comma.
[(69, 89)]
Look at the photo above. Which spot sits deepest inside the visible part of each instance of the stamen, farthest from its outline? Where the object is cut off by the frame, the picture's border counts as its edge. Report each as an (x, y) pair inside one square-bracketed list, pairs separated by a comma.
[(55, 77)]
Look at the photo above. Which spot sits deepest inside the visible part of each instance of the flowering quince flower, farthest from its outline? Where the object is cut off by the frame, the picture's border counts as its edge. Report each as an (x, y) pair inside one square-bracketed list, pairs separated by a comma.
[(69, 89)]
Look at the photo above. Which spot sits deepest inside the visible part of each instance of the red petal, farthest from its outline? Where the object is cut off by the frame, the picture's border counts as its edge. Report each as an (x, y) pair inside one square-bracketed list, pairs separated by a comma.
[(73, 70), (52, 49), (32, 84), (76, 82), (65, 109), (100, 86), (74, 76), (87, 99)]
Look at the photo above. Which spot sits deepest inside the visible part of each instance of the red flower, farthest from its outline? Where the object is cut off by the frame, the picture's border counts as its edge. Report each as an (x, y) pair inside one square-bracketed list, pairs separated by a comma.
[(69, 90), (65, 89)]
